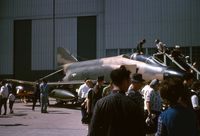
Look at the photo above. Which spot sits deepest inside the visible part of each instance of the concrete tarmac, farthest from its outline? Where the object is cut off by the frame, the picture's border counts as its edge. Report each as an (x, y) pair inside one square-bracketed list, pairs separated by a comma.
[(58, 121)]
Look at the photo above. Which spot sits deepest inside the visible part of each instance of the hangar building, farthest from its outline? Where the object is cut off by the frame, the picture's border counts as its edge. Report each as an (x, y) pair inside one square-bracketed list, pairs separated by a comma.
[(31, 31)]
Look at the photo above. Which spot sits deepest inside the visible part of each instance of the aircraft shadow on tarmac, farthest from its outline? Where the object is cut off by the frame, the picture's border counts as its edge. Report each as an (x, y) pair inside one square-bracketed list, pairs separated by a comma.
[(68, 106), (57, 112), (12, 125), (15, 114), (20, 114), (5, 116)]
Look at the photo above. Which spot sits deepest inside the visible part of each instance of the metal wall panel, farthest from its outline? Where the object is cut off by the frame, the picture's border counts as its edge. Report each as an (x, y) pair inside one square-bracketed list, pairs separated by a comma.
[(66, 34), (42, 45), (100, 36), (173, 21), (76, 7), (5, 8), (44, 8), (120, 24), (26, 8), (6, 47)]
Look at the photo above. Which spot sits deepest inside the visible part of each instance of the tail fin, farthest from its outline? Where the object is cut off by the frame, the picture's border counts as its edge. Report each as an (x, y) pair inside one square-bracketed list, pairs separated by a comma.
[(64, 56)]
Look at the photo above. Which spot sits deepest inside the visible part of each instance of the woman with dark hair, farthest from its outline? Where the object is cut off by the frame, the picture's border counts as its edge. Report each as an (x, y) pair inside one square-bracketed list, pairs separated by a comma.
[(176, 120)]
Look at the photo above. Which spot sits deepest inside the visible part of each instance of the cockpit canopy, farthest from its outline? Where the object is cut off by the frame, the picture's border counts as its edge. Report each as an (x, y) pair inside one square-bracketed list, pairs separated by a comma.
[(145, 58)]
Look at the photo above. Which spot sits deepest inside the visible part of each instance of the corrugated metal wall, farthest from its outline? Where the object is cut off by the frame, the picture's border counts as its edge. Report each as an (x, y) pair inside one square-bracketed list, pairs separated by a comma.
[(26, 9), (44, 8), (76, 7), (66, 37), (42, 45), (120, 24), (41, 13), (6, 47), (173, 21)]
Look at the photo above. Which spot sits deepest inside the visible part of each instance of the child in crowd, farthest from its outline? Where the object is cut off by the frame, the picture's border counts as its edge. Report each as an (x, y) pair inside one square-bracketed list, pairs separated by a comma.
[(11, 99)]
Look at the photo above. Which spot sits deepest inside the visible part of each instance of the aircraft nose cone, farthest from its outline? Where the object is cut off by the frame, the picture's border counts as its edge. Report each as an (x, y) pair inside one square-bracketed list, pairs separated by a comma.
[(174, 72)]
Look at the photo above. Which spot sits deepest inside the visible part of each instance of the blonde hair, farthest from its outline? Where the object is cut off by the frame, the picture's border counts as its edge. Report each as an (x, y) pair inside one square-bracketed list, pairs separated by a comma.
[(89, 83)]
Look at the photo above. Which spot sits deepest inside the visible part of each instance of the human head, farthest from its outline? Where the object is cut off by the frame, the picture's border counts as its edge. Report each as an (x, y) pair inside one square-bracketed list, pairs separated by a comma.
[(100, 80), (121, 78), (171, 90), (137, 78), (188, 79), (196, 86), (143, 41), (137, 81), (44, 81), (154, 83), (157, 41), (89, 83), (3, 82)]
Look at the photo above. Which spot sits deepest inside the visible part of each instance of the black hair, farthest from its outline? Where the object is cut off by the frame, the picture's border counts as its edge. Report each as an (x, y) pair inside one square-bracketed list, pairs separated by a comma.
[(44, 80), (195, 85), (157, 41), (118, 75), (188, 76), (171, 89), (143, 41), (100, 78)]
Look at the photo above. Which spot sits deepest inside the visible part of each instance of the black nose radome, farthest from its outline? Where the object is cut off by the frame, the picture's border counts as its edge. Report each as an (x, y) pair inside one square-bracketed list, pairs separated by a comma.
[(174, 72)]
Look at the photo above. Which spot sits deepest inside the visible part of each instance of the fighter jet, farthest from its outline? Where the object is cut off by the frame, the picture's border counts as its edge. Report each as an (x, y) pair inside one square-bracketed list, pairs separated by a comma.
[(75, 72)]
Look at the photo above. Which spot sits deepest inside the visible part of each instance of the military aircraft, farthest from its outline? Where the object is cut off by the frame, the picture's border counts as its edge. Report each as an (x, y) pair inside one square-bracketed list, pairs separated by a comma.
[(75, 72)]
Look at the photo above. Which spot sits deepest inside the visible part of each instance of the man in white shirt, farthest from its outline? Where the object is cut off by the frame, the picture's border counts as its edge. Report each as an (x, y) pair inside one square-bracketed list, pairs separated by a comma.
[(194, 95), (152, 105), (82, 94), (4, 97), (82, 91)]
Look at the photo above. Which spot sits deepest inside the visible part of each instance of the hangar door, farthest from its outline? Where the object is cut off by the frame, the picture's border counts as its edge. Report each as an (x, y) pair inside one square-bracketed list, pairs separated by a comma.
[(86, 38), (22, 49)]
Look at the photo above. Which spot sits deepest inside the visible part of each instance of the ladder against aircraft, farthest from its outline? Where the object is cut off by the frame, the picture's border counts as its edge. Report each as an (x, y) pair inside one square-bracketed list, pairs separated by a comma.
[(181, 63)]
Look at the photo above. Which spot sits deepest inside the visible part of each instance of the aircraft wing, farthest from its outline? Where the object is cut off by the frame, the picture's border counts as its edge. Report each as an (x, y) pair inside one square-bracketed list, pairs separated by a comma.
[(20, 82), (21, 88), (31, 83), (74, 82), (64, 91)]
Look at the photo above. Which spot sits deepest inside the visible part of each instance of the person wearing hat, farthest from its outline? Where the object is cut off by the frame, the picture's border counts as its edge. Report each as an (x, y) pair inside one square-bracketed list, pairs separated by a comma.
[(115, 114), (152, 97), (153, 106), (98, 88), (134, 90)]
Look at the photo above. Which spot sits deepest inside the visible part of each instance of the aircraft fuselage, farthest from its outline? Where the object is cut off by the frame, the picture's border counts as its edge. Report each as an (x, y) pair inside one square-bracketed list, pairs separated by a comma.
[(102, 67)]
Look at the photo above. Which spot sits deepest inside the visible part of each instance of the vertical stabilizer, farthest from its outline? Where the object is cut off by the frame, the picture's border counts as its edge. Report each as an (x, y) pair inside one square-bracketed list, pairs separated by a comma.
[(64, 56)]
